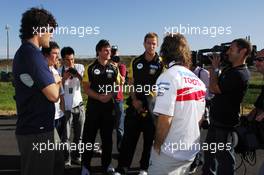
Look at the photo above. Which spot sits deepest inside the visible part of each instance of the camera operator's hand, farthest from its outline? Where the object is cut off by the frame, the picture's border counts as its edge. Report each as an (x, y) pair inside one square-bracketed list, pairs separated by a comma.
[(260, 117), (66, 75), (215, 59)]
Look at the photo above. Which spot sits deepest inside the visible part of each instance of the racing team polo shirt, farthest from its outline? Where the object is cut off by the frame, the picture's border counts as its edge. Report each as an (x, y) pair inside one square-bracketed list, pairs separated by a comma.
[(181, 95), (31, 74), (144, 72), (100, 77)]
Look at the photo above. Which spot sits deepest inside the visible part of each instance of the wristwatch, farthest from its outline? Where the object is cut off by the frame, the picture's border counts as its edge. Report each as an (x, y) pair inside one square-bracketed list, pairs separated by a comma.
[(216, 71)]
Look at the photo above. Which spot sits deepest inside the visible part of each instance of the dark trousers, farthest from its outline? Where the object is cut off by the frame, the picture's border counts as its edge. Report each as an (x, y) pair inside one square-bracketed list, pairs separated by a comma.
[(119, 123), (134, 125), (98, 117), (60, 125), (221, 161)]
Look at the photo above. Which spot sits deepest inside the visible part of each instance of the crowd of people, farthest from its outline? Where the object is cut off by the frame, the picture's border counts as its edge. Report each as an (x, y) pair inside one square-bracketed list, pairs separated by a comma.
[(183, 97)]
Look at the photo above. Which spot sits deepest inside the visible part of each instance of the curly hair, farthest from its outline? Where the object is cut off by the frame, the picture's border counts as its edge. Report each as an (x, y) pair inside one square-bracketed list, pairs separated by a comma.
[(175, 48), (35, 18)]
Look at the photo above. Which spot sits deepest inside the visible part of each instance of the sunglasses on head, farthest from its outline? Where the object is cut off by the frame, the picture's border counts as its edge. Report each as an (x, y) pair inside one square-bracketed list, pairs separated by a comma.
[(259, 59)]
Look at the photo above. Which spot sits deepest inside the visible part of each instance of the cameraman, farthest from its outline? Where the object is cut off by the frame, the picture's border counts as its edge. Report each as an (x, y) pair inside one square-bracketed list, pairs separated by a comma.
[(258, 112), (229, 88), (74, 110)]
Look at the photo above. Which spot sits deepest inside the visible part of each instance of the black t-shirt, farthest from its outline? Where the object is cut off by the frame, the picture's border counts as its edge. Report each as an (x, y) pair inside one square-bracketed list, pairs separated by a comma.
[(31, 74), (225, 107), (260, 100), (100, 77), (145, 72)]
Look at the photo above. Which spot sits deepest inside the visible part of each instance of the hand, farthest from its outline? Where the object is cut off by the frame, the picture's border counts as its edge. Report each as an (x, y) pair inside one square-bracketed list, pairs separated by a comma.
[(215, 59), (156, 148), (57, 79), (260, 117), (104, 98), (138, 105), (66, 75)]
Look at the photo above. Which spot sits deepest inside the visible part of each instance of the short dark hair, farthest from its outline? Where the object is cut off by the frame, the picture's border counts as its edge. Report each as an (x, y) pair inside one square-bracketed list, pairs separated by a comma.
[(243, 44), (66, 51), (52, 45), (35, 18), (150, 35), (175, 48), (102, 43)]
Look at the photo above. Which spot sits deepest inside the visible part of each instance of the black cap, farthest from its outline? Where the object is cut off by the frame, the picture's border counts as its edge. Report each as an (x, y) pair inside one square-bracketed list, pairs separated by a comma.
[(114, 47)]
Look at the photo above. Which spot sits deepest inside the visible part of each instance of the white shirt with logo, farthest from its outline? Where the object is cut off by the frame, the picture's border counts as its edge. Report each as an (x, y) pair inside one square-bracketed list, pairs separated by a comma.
[(58, 112), (181, 94), (72, 89)]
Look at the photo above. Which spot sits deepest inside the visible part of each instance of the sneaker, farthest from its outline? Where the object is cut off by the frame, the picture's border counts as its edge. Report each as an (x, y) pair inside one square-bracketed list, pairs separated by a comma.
[(97, 152), (143, 172), (194, 166), (111, 171), (85, 171), (77, 161), (67, 163)]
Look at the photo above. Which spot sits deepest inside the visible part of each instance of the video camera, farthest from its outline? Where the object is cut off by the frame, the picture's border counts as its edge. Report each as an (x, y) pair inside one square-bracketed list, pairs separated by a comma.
[(202, 56)]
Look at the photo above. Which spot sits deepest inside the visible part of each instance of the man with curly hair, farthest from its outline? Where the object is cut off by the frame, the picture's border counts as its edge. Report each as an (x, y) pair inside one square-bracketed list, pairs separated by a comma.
[(36, 90), (180, 104)]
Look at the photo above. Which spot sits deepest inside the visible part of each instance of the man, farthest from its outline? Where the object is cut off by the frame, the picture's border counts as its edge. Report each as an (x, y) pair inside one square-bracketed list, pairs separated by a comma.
[(180, 104), (74, 110), (119, 98), (98, 82), (203, 75), (258, 112), (36, 90), (229, 88), (144, 71), (52, 56)]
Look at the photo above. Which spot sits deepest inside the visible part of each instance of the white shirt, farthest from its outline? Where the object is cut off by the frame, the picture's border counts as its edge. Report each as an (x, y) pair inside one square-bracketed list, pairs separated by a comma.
[(72, 89), (58, 112), (204, 75), (181, 94)]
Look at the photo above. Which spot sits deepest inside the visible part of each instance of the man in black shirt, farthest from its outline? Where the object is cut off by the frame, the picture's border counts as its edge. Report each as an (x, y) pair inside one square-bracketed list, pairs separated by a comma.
[(144, 71), (99, 75), (229, 88)]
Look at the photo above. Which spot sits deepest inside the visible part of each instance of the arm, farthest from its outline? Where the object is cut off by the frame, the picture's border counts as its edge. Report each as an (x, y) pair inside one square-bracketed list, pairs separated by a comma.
[(62, 103), (162, 129), (92, 94), (213, 83), (52, 91)]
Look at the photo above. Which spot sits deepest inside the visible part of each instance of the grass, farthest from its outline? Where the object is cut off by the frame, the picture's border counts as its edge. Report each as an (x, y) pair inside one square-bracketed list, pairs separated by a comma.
[(8, 106), (7, 92)]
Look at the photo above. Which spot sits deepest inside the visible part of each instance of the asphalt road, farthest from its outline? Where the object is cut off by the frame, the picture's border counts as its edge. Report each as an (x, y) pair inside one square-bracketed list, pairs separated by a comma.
[(10, 163)]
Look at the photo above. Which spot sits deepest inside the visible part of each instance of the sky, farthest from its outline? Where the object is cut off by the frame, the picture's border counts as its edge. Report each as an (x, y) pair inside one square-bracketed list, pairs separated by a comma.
[(205, 23)]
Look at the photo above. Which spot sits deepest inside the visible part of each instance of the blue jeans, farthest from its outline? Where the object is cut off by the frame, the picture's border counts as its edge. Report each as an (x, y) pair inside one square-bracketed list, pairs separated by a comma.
[(219, 161), (120, 119)]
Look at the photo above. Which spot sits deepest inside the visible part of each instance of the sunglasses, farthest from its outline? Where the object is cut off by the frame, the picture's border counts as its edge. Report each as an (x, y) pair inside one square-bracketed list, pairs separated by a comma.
[(259, 59)]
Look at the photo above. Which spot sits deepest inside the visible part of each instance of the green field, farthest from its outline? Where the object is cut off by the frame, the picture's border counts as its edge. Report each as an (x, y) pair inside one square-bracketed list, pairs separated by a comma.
[(7, 103)]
